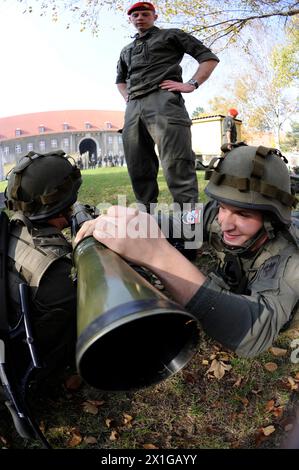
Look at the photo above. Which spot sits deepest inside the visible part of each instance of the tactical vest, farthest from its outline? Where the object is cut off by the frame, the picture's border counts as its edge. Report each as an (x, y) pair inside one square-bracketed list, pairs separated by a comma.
[(31, 251)]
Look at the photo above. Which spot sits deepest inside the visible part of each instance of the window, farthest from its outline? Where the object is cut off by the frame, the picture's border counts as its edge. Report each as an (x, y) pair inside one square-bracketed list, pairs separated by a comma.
[(65, 142), (87, 125), (29, 147), (6, 151), (110, 139), (18, 148), (120, 139), (65, 126), (54, 143), (41, 128), (108, 125), (42, 145), (18, 132)]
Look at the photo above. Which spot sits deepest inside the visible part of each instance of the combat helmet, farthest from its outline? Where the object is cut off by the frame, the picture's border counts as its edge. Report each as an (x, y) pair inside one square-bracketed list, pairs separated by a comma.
[(43, 185), (255, 178)]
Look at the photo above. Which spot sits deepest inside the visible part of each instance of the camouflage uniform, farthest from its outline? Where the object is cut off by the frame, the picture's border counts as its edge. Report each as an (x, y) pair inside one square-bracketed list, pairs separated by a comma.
[(253, 294)]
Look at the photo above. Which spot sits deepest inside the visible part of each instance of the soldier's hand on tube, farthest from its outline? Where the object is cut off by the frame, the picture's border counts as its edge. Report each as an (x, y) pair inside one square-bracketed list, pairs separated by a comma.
[(132, 234), (86, 230)]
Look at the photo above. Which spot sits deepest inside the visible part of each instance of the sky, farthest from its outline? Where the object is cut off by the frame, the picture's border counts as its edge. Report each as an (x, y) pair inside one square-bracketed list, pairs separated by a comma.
[(45, 67)]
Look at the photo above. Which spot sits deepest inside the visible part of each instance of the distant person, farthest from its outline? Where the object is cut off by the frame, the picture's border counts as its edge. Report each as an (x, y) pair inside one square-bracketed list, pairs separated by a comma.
[(229, 133), (149, 77)]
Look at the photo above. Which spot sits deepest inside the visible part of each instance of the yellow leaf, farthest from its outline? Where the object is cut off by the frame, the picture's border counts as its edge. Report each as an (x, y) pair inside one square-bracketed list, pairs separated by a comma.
[(205, 362), (268, 430), (271, 366), (278, 352), (293, 384)]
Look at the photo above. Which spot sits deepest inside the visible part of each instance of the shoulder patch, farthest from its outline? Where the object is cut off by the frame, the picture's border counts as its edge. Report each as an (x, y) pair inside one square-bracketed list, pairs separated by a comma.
[(269, 268)]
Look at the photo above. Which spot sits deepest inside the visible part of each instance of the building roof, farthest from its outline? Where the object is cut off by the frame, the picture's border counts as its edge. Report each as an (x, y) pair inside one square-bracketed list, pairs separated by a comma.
[(53, 122)]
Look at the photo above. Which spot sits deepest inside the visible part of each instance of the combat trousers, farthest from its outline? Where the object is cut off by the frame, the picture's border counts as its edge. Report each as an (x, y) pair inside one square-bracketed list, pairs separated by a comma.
[(160, 118)]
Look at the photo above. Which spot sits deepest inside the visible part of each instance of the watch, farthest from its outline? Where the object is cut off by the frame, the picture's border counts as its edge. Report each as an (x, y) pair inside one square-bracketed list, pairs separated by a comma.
[(193, 82)]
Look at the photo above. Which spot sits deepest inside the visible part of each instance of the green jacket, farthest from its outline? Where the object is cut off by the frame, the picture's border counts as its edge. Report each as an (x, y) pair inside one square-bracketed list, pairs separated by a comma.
[(155, 56)]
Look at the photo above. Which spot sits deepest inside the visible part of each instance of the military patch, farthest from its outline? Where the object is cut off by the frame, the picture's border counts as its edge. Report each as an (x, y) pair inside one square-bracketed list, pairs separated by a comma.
[(269, 268), (191, 217)]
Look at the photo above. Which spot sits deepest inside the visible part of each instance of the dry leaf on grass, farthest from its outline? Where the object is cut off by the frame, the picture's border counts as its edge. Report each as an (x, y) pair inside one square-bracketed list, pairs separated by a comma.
[(278, 352), (75, 439), (218, 368), (293, 385), (268, 430), (271, 366)]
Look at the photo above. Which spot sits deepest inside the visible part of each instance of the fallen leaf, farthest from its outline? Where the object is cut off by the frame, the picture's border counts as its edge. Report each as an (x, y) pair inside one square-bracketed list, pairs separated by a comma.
[(270, 405), (150, 446), (90, 408), (271, 366), (73, 382), (205, 362), (75, 439), (297, 376), (268, 430), (90, 440), (218, 368), (114, 435), (96, 402), (278, 352)]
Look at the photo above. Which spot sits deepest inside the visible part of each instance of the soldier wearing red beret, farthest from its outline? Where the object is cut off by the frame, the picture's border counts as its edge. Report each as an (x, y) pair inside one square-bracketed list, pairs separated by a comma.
[(149, 77)]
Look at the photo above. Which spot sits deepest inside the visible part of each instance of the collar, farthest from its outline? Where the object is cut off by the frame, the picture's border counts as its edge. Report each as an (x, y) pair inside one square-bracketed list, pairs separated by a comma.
[(148, 32)]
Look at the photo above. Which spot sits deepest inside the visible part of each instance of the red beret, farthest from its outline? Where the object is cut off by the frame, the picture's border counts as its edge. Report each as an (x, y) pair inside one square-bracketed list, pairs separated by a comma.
[(233, 112), (141, 6)]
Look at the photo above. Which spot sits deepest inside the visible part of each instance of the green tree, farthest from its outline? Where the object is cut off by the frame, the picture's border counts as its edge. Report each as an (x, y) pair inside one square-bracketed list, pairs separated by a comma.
[(291, 142), (197, 112)]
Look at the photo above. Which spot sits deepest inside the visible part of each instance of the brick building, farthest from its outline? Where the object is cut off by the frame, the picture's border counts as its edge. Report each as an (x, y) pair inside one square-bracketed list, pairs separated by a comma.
[(78, 132)]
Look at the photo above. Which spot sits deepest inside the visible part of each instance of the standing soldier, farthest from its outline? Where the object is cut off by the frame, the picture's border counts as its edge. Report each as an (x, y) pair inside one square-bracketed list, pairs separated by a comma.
[(149, 77)]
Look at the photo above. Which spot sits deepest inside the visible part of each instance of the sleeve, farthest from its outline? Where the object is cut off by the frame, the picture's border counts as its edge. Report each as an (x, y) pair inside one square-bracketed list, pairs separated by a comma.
[(249, 324), (121, 70), (192, 46)]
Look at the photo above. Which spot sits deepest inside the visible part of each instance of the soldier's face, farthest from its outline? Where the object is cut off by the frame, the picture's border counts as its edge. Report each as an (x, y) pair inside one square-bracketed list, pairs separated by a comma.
[(143, 20), (238, 225)]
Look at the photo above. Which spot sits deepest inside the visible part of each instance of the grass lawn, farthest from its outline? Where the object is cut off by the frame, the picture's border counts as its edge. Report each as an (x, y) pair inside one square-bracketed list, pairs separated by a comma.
[(218, 401)]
